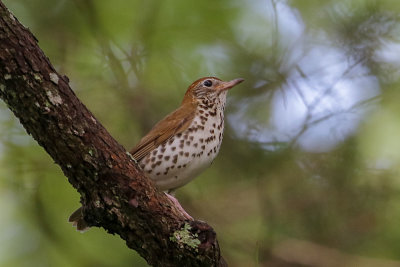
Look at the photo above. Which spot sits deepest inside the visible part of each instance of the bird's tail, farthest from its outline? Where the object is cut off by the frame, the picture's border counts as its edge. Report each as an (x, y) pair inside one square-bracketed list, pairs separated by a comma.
[(77, 220)]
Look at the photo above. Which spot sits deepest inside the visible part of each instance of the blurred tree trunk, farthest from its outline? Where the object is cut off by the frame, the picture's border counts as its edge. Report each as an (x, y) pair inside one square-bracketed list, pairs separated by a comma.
[(114, 193)]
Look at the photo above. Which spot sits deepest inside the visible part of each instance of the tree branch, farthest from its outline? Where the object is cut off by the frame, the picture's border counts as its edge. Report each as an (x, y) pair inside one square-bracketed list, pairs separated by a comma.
[(115, 195)]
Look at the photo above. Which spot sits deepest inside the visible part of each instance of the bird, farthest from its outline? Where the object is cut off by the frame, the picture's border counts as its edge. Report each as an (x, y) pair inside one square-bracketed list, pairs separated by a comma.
[(184, 143)]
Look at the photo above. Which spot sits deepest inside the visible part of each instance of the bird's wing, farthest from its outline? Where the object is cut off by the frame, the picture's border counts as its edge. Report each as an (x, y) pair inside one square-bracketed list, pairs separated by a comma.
[(174, 123)]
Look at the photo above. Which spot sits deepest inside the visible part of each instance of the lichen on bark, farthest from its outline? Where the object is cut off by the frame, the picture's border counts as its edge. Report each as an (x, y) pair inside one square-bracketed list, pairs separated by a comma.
[(114, 193)]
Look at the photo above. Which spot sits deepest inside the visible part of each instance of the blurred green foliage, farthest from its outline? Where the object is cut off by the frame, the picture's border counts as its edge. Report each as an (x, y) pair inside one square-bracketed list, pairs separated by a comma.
[(308, 171)]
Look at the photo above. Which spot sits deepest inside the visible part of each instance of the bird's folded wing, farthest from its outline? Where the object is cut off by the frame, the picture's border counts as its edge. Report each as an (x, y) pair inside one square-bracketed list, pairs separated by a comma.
[(174, 123)]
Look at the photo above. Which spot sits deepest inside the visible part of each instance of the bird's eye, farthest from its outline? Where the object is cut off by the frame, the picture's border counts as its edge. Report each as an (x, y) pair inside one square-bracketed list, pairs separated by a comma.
[(207, 83)]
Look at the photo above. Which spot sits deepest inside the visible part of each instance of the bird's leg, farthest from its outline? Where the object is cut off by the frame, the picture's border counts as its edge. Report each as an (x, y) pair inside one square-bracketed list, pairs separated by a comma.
[(178, 205)]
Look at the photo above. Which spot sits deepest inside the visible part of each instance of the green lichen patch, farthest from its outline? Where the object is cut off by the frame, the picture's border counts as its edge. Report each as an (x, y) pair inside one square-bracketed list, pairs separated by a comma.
[(54, 78), (54, 98), (185, 237), (37, 77)]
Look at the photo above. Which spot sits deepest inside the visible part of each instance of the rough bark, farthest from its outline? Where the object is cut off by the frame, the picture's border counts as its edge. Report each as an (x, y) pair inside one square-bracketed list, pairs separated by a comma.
[(114, 193)]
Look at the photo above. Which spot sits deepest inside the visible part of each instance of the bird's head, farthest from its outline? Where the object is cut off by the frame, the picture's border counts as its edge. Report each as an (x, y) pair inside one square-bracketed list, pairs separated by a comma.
[(208, 88)]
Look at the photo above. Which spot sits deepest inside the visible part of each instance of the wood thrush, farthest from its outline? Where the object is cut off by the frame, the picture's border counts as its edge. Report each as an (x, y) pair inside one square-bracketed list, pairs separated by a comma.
[(185, 142)]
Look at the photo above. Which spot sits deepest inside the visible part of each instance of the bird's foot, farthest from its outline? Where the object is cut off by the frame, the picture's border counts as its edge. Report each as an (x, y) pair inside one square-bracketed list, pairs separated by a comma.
[(178, 205)]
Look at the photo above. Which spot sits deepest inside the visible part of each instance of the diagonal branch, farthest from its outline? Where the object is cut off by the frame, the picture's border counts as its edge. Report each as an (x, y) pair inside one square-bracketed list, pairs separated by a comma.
[(115, 195)]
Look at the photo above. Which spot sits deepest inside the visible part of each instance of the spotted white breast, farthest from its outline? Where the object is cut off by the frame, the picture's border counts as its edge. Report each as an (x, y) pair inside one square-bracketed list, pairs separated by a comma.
[(185, 155)]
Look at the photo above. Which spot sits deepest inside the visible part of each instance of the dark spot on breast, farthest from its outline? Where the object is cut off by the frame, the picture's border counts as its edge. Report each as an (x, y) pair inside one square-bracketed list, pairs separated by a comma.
[(191, 138), (153, 159), (173, 148), (149, 171), (179, 166), (201, 111), (175, 159), (195, 144), (159, 156), (188, 143), (154, 152), (179, 135), (166, 157), (184, 165), (213, 113), (180, 153), (158, 173), (193, 155), (158, 162), (186, 154), (181, 145), (171, 141), (163, 148), (203, 147), (201, 140), (212, 131)]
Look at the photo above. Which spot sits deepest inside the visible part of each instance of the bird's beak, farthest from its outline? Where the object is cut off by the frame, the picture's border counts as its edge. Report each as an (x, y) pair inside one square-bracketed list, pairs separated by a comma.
[(228, 85)]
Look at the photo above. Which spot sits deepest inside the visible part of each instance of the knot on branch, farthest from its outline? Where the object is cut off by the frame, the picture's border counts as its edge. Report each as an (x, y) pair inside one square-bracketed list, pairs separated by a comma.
[(205, 234)]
